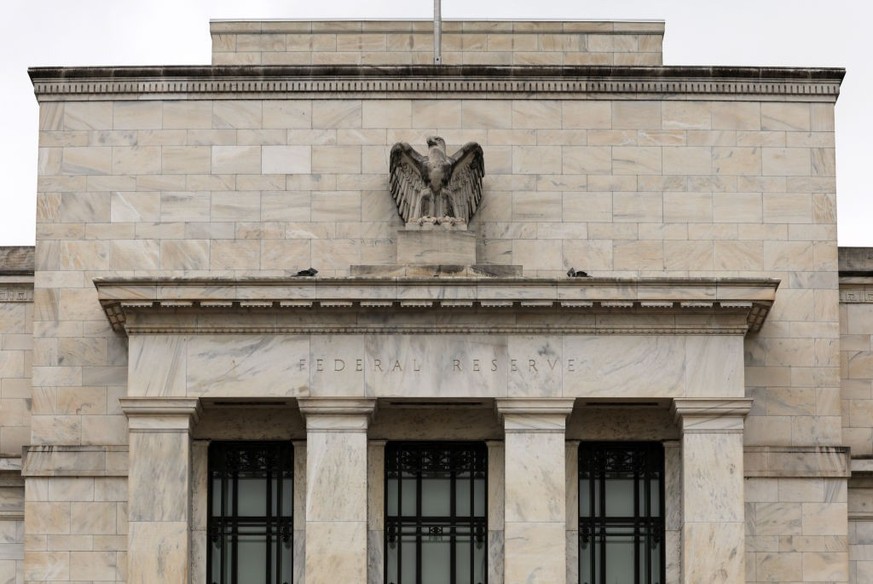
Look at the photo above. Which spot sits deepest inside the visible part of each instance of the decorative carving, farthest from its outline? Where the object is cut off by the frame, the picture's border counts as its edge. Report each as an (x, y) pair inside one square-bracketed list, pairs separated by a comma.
[(213, 82), (437, 188), (16, 293), (856, 295)]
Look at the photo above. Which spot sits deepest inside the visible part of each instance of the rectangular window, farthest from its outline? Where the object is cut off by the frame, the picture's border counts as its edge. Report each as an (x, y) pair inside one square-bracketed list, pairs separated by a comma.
[(435, 513), (251, 504), (621, 513)]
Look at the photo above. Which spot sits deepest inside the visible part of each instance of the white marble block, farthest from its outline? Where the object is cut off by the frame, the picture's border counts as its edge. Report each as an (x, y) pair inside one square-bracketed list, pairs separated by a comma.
[(436, 244)]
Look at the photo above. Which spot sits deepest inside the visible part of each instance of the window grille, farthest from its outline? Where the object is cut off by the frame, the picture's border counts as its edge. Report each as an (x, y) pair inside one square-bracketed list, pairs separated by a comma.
[(621, 513), (435, 513), (251, 505)]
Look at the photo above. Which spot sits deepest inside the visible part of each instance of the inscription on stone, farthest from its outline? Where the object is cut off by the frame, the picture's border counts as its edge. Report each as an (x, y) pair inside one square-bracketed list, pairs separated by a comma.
[(456, 365)]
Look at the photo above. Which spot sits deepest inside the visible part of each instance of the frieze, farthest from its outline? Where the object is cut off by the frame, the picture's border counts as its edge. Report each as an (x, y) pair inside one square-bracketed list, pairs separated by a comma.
[(856, 296), (16, 293), (446, 82), (145, 329)]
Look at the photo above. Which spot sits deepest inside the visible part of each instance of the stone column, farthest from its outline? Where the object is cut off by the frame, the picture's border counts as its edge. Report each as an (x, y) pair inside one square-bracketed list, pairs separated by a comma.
[(534, 490), (159, 488), (713, 528), (336, 489)]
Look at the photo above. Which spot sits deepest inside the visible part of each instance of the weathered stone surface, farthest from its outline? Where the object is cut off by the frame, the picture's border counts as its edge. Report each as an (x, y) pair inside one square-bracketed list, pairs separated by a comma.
[(688, 194)]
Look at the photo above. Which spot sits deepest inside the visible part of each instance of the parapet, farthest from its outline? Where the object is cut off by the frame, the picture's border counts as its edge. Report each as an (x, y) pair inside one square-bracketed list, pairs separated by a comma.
[(411, 42), (16, 260)]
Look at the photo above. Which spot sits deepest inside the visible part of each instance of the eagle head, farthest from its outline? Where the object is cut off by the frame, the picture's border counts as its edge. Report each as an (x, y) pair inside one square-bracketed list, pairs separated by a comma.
[(436, 141)]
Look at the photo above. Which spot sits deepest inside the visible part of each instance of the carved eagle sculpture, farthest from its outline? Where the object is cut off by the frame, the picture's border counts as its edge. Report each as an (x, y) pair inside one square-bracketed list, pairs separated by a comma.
[(436, 188)]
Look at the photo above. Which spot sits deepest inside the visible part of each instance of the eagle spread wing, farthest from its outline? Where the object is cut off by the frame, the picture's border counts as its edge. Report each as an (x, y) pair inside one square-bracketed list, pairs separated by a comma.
[(408, 170), (465, 183), (436, 184)]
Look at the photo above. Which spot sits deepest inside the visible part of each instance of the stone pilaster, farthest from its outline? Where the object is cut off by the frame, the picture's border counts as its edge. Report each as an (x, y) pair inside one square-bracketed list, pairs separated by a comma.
[(299, 511), (336, 489), (376, 510), (713, 527), (159, 488), (496, 508), (534, 490)]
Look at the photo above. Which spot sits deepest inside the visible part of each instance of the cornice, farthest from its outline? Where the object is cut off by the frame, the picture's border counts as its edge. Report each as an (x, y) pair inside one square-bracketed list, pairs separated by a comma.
[(436, 82), (432, 306)]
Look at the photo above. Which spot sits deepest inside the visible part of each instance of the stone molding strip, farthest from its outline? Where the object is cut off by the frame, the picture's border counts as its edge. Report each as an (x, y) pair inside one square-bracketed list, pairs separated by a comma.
[(178, 305), (797, 462), (51, 460), (435, 82)]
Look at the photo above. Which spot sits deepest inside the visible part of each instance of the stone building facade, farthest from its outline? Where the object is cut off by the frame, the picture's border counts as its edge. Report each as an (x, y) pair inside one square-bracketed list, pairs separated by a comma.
[(158, 345)]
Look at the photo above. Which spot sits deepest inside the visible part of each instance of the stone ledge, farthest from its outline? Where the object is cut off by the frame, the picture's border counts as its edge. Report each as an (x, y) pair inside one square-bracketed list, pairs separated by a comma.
[(797, 462), (862, 467), (10, 464), (678, 305)]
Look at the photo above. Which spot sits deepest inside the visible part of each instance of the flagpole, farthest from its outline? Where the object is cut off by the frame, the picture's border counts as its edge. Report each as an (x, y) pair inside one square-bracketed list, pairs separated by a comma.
[(437, 33)]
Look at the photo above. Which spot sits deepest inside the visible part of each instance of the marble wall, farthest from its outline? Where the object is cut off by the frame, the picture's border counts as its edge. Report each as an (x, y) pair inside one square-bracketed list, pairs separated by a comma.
[(594, 184), (400, 42), (637, 183)]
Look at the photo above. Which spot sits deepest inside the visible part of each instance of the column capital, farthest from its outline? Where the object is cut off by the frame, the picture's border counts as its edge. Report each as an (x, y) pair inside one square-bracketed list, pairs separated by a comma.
[(557, 405), (337, 414), (534, 415), (336, 405), (705, 414), (161, 414)]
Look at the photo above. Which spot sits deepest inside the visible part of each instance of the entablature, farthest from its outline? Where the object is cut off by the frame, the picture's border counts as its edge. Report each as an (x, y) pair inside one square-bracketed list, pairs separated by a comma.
[(451, 305)]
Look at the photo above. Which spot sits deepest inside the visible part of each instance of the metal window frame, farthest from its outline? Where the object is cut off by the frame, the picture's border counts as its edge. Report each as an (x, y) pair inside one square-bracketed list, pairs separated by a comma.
[(434, 525), (645, 525), (225, 461)]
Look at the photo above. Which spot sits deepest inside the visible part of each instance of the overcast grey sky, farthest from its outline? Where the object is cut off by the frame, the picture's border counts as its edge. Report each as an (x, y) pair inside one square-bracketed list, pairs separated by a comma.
[(802, 33)]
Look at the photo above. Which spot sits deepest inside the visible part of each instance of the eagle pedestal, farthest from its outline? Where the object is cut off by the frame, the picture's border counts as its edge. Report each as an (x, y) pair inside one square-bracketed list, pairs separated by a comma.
[(436, 245), (436, 250)]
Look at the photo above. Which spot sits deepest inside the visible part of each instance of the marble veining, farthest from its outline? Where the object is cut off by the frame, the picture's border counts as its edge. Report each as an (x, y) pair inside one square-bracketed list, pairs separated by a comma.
[(246, 366), (627, 366)]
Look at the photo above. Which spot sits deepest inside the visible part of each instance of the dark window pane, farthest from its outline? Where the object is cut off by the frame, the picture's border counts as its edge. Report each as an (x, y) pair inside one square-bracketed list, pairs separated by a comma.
[(409, 501), (462, 497), (436, 557), (436, 497)]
